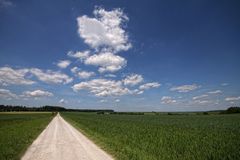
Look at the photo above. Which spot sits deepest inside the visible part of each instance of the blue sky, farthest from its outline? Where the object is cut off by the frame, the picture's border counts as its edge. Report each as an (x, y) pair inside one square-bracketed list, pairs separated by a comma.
[(122, 55)]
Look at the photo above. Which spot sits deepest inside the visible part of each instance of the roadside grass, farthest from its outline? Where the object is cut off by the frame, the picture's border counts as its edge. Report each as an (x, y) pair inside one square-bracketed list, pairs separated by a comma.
[(162, 137), (18, 131)]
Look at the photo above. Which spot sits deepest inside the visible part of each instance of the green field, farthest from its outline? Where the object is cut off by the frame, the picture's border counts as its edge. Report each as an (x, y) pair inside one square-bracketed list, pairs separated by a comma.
[(18, 130), (156, 137)]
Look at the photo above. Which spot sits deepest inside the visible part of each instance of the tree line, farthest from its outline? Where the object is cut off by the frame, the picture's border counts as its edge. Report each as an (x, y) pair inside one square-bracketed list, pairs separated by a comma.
[(12, 108)]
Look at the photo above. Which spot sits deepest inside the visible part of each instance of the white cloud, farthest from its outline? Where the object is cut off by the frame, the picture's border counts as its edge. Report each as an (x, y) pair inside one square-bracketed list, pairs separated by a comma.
[(117, 100), (7, 94), (85, 74), (137, 91), (103, 100), (200, 97), (51, 76), (201, 102), (107, 62), (110, 75), (79, 55), (149, 85), (63, 63), (5, 3), (10, 76), (185, 88), (104, 30), (232, 98), (102, 87), (133, 79), (167, 100), (37, 94), (62, 101), (74, 69), (224, 84), (215, 92)]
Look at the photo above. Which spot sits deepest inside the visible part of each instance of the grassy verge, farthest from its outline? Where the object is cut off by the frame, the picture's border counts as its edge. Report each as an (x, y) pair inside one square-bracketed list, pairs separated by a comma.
[(18, 131), (156, 137)]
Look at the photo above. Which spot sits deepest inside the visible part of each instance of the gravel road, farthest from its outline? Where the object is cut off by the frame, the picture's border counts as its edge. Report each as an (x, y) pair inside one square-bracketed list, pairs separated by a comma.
[(61, 141)]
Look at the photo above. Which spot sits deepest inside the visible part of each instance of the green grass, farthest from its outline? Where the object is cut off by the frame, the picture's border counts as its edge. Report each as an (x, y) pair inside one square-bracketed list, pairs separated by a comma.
[(162, 137), (18, 131)]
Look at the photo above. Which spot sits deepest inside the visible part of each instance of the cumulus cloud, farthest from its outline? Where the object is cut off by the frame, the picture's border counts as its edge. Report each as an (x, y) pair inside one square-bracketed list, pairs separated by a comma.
[(185, 88), (36, 94), (117, 100), (10, 76), (74, 69), (63, 63), (50, 76), (200, 97), (232, 98), (107, 62), (149, 85), (79, 55), (167, 100), (133, 79), (85, 74), (102, 87), (104, 30), (7, 94), (215, 92)]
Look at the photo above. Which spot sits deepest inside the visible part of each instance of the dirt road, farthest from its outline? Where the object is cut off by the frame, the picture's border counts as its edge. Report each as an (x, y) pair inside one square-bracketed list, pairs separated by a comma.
[(60, 141)]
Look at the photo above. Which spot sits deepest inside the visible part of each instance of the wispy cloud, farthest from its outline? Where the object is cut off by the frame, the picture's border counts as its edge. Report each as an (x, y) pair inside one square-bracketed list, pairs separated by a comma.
[(7, 94), (232, 98), (149, 85), (200, 97), (110, 75), (185, 88), (224, 84), (63, 101), (5, 3), (215, 92)]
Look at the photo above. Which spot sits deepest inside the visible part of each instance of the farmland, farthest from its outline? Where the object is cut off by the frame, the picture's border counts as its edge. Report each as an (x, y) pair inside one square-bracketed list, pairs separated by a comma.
[(155, 137), (18, 130)]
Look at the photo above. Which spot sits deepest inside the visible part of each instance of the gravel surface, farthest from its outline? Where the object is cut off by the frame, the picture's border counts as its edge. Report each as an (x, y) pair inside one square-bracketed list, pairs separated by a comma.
[(61, 141)]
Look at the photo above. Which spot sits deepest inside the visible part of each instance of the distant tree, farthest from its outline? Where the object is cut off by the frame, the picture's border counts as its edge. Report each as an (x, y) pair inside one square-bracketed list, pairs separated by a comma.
[(233, 110)]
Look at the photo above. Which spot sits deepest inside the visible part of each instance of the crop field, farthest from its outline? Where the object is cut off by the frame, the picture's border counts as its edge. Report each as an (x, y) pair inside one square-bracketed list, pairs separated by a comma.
[(18, 130), (156, 137)]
